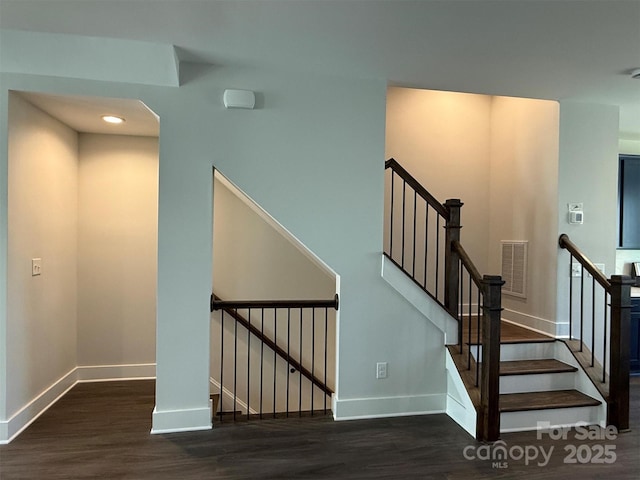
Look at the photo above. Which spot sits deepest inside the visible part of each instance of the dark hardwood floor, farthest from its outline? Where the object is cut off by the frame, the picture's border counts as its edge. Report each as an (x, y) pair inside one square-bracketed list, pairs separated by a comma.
[(101, 430)]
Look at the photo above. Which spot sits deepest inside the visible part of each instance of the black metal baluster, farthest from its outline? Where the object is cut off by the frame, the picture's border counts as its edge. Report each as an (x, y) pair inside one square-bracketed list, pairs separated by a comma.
[(391, 219), (426, 242), (235, 366), (261, 357), (326, 328), (437, 251), (415, 199), (478, 338), (275, 358), (604, 341), (300, 373), (248, 365), (582, 309), (404, 214), (570, 297), (221, 359), (460, 311), (470, 321), (313, 352), (288, 354), (593, 320)]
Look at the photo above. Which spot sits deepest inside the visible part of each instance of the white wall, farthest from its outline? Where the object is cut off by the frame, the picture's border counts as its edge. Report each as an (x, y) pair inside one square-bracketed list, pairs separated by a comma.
[(252, 260), (41, 310), (629, 147), (588, 173), (443, 140), (524, 201), (117, 249), (499, 155)]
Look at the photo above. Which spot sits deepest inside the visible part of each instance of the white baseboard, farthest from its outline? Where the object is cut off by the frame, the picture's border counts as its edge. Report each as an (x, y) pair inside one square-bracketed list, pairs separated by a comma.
[(381, 407), (17, 423), (537, 324), (187, 420), (105, 373), (10, 429)]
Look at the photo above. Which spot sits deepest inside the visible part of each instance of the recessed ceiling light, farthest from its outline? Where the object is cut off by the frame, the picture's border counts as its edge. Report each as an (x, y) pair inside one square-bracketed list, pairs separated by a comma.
[(635, 73), (112, 119)]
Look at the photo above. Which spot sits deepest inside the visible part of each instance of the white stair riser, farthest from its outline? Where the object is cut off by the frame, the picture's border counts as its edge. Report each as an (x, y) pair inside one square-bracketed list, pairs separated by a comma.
[(537, 382), (529, 420), (521, 351)]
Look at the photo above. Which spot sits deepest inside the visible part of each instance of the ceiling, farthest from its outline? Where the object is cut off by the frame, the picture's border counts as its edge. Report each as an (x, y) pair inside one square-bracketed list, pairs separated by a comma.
[(84, 114), (549, 49)]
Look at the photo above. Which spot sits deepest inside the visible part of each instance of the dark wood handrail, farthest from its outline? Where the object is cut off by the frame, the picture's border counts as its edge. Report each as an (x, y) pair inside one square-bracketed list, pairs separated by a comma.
[(466, 261), (420, 190), (565, 242), (217, 304), (230, 308)]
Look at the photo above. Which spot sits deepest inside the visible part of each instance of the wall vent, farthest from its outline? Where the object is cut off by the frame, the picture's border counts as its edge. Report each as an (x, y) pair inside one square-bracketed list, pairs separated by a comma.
[(514, 267)]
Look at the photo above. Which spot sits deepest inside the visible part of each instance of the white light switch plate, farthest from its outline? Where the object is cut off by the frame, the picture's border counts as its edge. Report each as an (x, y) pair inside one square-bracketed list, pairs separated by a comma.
[(36, 267)]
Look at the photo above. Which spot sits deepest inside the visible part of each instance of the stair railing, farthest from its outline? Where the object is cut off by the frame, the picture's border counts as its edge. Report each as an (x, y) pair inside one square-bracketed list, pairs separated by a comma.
[(479, 312), (599, 322), (414, 221), (253, 382), (441, 267)]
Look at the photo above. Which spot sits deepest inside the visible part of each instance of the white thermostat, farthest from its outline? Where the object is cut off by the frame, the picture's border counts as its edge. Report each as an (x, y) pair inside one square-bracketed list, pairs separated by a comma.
[(576, 213), (576, 217)]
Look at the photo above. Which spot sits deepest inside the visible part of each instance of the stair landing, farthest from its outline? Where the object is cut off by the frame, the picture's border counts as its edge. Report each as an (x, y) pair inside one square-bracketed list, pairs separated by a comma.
[(509, 333)]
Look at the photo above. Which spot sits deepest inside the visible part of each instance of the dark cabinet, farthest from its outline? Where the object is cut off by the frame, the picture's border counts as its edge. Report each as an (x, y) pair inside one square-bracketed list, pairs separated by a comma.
[(629, 202), (634, 351)]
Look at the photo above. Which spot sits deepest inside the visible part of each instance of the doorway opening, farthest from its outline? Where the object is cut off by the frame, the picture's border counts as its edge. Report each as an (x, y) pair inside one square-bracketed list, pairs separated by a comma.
[(82, 246)]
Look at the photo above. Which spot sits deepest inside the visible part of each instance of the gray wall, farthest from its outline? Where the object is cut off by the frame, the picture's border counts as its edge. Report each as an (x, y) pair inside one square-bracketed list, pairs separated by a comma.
[(588, 173)]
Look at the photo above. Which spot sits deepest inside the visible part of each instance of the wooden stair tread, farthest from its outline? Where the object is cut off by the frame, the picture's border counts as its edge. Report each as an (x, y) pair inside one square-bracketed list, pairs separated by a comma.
[(527, 367), (518, 402), (509, 333)]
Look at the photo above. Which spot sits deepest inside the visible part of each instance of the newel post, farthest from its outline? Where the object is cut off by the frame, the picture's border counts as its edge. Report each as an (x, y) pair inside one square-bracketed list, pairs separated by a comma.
[(488, 424), (618, 406), (451, 257)]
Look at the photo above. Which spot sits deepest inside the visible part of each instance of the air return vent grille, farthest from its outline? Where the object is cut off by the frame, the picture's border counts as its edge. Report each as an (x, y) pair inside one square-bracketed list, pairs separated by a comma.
[(514, 268)]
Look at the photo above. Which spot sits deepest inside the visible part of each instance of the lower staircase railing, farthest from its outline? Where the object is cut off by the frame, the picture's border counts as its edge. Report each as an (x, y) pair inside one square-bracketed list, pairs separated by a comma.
[(478, 311), (440, 266), (599, 328), (296, 336)]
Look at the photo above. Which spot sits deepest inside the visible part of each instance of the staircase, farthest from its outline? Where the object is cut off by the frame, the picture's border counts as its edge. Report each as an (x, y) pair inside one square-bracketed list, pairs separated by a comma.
[(274, 358), (540, 384), (501, 377)]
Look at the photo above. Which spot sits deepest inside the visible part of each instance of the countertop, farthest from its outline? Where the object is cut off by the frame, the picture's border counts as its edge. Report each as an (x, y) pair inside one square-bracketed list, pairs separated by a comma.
[(635, 292)]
